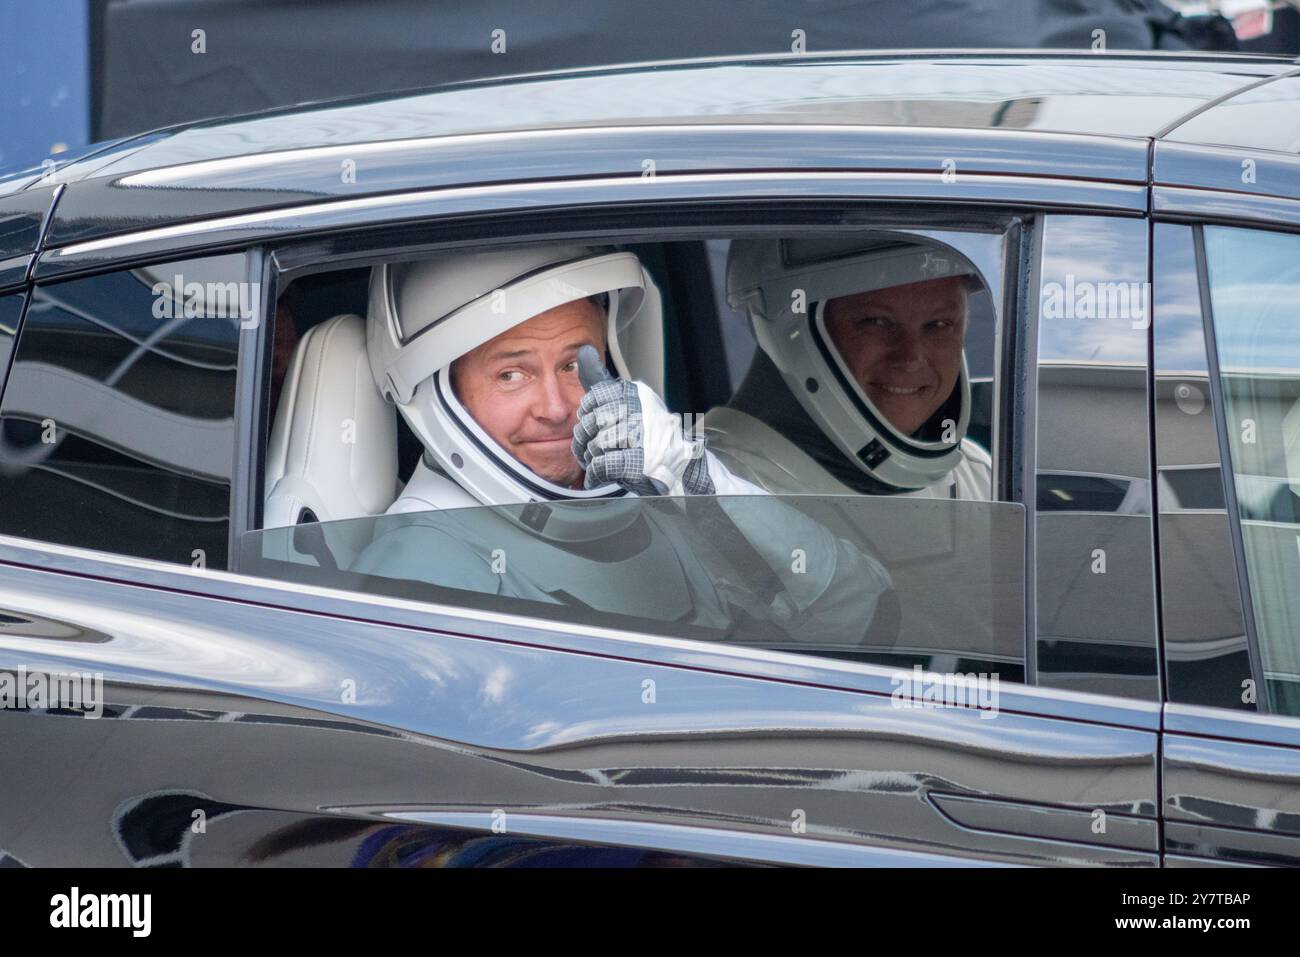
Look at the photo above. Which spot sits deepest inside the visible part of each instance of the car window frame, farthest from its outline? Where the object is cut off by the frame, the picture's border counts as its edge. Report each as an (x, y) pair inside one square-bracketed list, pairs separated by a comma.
[(339, 231), (256, 267), (294, 259)]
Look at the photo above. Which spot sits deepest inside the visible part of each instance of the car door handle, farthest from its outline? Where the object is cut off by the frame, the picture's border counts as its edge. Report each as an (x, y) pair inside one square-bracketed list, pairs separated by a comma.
[(1049, 822)]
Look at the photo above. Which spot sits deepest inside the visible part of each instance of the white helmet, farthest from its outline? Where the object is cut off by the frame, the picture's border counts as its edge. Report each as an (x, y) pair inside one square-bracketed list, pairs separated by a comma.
[(785, 285), (426, 314)]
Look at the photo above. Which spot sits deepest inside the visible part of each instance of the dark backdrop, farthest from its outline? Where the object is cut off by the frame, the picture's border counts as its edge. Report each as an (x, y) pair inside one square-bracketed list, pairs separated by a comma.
[(268, 53)]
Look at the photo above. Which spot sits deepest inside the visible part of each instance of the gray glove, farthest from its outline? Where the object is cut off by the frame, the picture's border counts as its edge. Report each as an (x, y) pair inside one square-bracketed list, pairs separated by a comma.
[(626, 435)]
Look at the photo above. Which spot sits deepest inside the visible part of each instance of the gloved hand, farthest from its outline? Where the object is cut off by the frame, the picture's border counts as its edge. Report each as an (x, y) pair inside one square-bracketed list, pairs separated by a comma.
[(626, 435)]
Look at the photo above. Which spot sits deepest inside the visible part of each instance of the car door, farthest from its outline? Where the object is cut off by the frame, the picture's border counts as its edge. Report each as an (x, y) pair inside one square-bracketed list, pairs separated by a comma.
[(251, 717), (1226, 374)]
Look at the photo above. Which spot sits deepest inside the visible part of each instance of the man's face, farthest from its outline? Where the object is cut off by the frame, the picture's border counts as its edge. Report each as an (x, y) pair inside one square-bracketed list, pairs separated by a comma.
[(522, 387), (903, 345)]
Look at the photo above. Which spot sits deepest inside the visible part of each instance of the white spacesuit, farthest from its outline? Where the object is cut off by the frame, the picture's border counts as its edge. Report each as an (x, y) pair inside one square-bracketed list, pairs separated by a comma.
[(800, 421), (712, 549)]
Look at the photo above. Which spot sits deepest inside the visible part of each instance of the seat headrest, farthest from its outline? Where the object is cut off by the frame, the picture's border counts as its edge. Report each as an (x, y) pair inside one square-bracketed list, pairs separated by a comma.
[(333, 448)]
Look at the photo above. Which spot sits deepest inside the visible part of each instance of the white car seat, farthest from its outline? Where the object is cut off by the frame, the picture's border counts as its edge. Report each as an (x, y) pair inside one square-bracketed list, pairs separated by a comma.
[(333, 448)]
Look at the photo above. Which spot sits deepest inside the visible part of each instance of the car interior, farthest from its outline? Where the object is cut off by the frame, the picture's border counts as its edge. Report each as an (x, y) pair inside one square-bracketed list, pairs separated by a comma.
[(324, 498), (320, 378)]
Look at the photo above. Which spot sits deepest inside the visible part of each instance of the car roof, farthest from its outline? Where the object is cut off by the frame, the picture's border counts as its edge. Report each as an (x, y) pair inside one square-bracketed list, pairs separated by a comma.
[(1140, 95)]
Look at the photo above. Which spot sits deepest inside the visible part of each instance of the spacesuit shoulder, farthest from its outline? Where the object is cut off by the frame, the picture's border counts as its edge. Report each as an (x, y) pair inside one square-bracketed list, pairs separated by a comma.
[(429, 489), (974, 474), (755, 451)]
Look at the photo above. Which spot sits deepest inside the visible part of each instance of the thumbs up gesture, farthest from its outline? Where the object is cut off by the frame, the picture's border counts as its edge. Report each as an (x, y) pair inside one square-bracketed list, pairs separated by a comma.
[(626, 435)]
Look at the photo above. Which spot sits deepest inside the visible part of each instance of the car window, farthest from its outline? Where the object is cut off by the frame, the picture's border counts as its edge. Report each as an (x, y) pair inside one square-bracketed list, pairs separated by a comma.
[(1254, 286), (1207, 653), (11, 311), (1095, 577), (931, 582), (737, 336), (116, 425), (818, 556)]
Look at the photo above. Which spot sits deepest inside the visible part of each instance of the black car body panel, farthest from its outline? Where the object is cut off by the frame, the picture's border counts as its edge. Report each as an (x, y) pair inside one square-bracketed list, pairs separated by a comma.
[(236, 704), (22, 217)]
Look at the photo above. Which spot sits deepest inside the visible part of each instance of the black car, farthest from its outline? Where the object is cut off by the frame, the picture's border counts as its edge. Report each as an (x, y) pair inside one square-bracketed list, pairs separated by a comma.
[(1126, 593)]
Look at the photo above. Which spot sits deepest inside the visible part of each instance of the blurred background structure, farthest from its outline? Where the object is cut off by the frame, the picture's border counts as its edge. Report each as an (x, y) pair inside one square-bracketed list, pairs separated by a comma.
[(81, 71)]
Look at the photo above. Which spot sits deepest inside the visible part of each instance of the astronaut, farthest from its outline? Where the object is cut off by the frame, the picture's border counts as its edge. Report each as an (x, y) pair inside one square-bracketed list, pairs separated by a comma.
[(860, 383), (485, 355)]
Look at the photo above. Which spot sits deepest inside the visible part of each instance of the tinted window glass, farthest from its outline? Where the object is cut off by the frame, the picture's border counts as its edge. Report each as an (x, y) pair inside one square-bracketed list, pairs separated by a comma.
[(1207, 659), (931, 582), (1191, 489), (981, 335), (887, 339), (11, 311), (1068, 492), (1095, 594), (117, 422), (1254, 281)]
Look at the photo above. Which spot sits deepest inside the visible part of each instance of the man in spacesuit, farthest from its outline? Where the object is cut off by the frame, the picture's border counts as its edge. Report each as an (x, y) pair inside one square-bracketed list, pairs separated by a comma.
[(859, 384), (498, 362)]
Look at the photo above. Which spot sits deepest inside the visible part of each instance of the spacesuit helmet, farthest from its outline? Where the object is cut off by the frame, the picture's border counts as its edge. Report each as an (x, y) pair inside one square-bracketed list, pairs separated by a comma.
[(785, 286), (424, 315)]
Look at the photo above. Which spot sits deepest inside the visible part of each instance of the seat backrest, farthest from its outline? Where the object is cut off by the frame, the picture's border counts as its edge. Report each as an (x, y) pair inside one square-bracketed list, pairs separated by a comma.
[(333, 448)]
